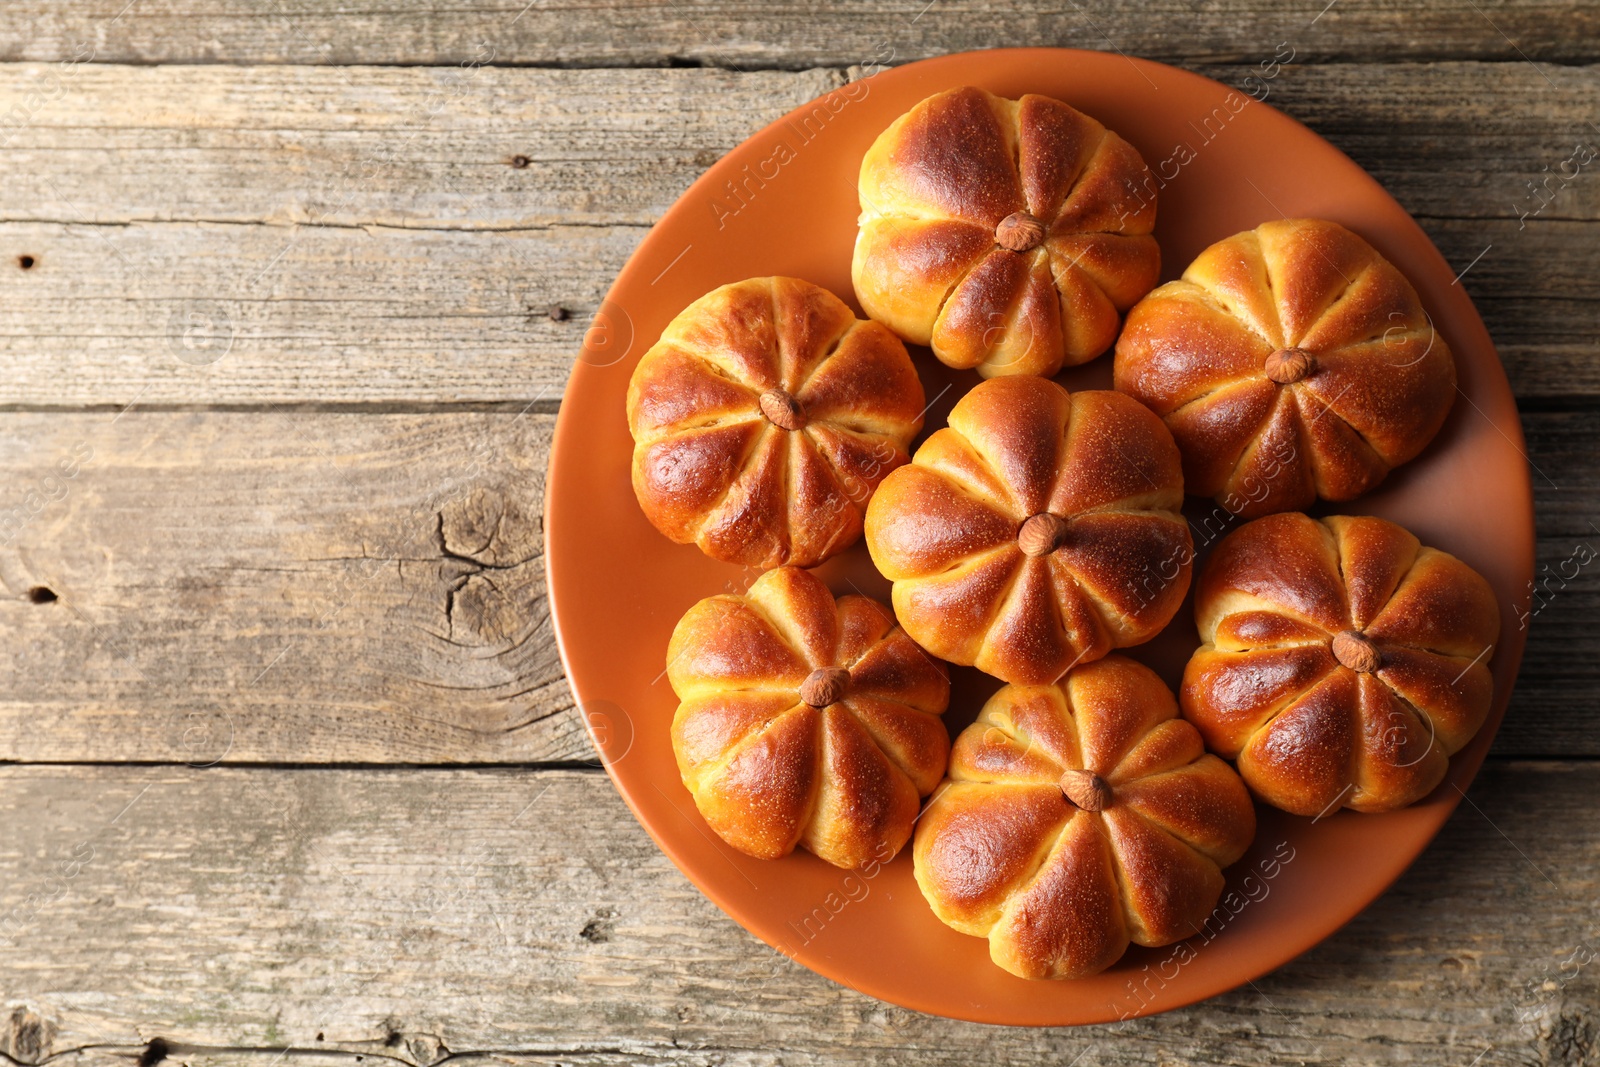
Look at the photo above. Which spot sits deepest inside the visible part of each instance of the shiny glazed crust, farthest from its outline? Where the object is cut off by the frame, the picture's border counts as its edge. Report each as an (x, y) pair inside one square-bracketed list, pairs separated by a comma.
[(945, 530), (768, 770), (711, 467), (929, 262), (1371, 386), (1270, 688), (1059, 890)]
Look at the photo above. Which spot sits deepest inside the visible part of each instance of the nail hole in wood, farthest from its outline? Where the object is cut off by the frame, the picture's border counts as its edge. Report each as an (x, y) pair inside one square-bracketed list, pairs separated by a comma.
[(520, 162), (25, 262), (41, 594)]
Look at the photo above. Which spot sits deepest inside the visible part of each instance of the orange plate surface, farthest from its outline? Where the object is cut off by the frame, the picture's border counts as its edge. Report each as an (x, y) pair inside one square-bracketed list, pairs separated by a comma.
[(784, 202)]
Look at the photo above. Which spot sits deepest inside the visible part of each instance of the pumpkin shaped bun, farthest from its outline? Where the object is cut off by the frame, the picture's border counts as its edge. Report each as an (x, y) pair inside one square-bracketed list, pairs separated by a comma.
[(806, 721), (1343, 662), (763, 420), (1290, 362), (1008, 235), (1077, 818), (1039, 529)]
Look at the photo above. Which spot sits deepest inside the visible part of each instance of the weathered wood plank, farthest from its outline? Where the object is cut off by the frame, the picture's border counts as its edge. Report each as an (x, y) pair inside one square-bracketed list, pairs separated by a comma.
[(440, 148), (258, 586), (252, 314), (1459, 140), (747, 33), (279, 587), (279, 209), (516, 917), (1558, 679), (400, 146)]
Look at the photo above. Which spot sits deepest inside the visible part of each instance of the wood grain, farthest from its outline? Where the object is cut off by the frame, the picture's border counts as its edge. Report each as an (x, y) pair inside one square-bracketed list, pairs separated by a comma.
[(252, 314), (418, 147), (748, 33), (272, 235), (524, 917), (233, 314), (315, 587), (440, 148), (300, 588)]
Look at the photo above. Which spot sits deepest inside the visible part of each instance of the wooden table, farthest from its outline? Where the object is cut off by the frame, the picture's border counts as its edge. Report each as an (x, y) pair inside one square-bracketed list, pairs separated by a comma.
[(289, 301)]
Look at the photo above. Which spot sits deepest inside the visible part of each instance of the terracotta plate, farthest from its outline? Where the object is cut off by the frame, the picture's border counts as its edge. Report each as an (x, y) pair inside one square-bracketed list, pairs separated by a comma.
[(784, 202)]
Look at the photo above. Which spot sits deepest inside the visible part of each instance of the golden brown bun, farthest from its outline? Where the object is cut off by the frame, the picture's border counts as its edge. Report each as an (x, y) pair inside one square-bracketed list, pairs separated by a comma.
[(1006, 234), (953, 529), (1060, 888), (770, 770), (1343, 663), (763, 420), (1290, 362)]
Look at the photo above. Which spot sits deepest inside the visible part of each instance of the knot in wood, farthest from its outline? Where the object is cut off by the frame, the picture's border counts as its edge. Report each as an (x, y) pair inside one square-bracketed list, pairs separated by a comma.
[(1087, 790), (1288, 365), (29, 1036), (1353, 650), (782, 410), (824, 686), (1042, 534), (1019, 232)]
